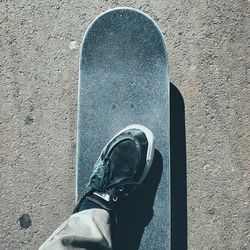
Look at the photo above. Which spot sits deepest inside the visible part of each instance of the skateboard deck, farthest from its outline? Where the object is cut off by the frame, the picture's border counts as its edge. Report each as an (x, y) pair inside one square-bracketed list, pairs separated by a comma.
[(124, 80)]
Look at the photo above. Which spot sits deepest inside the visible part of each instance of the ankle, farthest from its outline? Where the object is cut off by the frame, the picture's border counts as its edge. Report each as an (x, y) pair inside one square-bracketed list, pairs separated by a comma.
[(87, 204)]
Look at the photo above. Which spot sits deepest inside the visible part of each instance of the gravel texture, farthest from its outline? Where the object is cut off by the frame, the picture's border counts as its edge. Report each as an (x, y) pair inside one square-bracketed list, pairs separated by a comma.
[(209, 63)]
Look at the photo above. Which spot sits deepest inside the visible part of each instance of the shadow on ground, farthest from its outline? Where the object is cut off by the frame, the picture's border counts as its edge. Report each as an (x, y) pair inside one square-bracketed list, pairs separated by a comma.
[(139, 212), (178, 171)]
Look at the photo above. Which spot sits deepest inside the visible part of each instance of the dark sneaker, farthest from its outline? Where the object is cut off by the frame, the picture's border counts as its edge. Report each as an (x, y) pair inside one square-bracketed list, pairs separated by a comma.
[(123, 165)]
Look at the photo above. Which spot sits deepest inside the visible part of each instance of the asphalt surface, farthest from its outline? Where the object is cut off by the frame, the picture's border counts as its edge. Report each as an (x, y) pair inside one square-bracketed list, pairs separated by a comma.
[(208, 51)]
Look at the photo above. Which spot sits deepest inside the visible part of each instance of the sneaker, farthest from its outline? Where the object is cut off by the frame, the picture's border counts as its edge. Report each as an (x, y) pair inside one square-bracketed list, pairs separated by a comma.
[(121, 167)]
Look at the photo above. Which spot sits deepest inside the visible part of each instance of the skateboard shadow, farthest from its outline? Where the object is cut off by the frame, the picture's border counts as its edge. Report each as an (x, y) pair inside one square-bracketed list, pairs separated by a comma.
[(178, 170), (136, 215)]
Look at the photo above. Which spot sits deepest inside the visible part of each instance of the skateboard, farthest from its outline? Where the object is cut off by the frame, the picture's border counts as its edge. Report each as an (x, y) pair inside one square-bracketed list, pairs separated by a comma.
[(124, 80)]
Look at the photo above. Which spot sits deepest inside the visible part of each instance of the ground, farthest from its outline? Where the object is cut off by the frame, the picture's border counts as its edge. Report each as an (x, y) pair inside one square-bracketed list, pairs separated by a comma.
[(208, 51)]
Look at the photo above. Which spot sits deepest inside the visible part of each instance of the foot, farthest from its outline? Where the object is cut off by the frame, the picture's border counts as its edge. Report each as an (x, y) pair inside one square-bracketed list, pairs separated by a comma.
[(122, 166)]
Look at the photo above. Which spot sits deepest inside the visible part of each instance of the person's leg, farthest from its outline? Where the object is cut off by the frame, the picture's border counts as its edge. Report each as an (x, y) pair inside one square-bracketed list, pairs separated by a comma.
[(88, 229), (122, 166)]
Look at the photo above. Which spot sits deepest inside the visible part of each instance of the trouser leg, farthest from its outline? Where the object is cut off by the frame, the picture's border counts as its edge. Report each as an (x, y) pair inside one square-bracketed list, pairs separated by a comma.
[(88, 229)]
